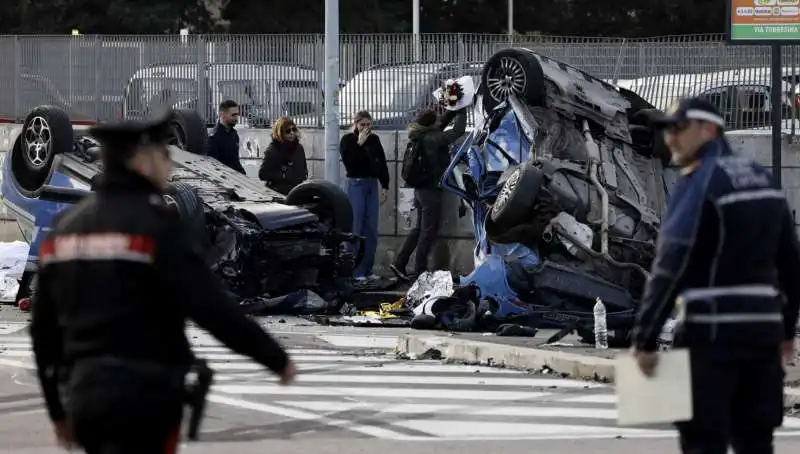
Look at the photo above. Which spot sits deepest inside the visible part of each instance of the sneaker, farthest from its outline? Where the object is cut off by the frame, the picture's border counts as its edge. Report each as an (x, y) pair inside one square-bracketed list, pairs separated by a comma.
[(401, 274)]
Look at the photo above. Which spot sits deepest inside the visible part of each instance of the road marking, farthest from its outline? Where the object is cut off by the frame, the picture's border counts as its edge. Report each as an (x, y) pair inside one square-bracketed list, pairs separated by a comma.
[(11, 327), (469, 429), (385, 393), (434, 367), (373, 431), (526, 382), (593, 399)]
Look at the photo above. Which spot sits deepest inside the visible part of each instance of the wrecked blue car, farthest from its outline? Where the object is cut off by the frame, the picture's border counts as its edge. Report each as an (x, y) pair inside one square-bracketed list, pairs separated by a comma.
[(566, 183)]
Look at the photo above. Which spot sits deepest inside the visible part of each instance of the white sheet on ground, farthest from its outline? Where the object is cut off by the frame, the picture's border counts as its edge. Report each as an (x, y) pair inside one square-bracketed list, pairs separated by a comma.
[(13, 257)]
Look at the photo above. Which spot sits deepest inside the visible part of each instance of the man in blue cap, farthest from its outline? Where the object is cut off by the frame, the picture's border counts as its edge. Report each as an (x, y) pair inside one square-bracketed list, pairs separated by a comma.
[(728, 258)]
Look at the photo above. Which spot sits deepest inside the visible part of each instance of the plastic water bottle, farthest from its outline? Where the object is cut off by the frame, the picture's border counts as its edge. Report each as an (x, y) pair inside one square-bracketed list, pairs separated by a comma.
[(600, 327)]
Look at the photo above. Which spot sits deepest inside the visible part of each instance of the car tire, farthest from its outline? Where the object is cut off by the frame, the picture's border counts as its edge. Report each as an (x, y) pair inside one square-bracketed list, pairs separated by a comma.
[(187, 203), (643, 119), (512, 71), (46, 132), (517, 197), (189, 132), (330, 202)]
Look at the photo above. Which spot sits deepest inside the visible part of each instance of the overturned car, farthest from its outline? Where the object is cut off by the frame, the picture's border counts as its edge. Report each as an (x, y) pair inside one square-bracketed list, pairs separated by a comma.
[(566, 183), (263, 245)]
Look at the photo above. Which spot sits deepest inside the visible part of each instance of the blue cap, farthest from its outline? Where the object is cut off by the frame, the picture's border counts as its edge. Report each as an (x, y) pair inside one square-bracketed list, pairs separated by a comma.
[(697, 109)]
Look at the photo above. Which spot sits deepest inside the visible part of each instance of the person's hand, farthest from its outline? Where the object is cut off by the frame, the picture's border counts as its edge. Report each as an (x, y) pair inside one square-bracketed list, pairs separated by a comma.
[(288, 374), (64, 436), (788, 351), (384, 195), (363, 135), (647, 361)]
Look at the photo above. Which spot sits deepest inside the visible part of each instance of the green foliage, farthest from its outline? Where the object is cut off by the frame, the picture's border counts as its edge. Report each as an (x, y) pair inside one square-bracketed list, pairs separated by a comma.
[(623, 18)]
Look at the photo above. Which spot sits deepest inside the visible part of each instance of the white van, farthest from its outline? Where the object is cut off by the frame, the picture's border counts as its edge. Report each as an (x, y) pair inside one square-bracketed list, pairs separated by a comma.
[(265, 91)]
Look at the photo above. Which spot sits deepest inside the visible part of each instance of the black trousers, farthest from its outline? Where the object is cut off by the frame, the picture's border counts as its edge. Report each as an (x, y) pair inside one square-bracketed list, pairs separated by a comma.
[(149, 443), (423, 236), (738, 400)]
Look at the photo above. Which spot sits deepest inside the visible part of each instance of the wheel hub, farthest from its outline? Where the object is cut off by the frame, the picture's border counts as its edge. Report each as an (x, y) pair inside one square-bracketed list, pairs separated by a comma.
[(507, 78), (507, 189), (38, 142)]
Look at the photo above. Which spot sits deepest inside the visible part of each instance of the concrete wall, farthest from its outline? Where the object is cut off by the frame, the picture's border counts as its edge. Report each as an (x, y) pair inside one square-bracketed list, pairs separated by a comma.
[(455, 251)]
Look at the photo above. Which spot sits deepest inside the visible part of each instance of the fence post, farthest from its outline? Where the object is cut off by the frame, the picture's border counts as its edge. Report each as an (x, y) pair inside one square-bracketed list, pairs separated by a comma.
[(17, 75), (96, 46), (202, 95)]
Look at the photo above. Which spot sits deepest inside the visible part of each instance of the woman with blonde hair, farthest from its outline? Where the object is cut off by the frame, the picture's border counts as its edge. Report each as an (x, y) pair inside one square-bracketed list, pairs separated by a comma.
[(367, 186), (284, 165)]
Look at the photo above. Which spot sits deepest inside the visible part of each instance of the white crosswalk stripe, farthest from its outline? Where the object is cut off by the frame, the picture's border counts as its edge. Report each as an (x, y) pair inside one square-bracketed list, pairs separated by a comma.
[(380, 396)]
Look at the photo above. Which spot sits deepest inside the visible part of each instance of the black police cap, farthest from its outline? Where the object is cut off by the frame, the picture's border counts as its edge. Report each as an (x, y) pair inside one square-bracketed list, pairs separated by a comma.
[(124, 136)]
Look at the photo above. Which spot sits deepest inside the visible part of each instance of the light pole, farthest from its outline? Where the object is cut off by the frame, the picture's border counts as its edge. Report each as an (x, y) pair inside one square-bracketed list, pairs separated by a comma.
[(331, 78), (415, 30), (511, 21)]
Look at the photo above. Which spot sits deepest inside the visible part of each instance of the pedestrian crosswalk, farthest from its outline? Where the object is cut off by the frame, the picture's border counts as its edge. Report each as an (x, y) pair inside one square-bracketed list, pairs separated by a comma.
[(377, 395)]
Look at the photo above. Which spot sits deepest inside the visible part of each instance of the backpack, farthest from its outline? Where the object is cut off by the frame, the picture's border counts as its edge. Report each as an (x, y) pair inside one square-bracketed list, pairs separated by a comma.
[(416, 170)]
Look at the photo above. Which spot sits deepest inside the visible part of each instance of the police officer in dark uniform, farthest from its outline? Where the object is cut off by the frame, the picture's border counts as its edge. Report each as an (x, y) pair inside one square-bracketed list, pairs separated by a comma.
[(117, 282), (728, 255)]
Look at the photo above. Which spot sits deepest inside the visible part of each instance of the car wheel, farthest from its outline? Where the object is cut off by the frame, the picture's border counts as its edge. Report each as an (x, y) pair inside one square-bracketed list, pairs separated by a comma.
[(46, 132), (512, 72), (642, 125), (327, 200), (517, 196), (188, 132)]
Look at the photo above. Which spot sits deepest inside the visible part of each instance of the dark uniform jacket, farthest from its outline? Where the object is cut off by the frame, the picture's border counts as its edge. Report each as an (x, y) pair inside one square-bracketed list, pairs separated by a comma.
[(223, 145), (728, 253), (117, 283)]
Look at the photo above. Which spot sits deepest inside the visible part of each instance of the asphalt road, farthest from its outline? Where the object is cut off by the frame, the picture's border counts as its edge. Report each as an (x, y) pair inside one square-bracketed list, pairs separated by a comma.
[(354, 397)]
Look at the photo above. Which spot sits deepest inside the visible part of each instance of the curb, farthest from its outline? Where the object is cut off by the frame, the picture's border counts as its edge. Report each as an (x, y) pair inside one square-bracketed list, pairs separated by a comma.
[(523, 358), (508, 356)]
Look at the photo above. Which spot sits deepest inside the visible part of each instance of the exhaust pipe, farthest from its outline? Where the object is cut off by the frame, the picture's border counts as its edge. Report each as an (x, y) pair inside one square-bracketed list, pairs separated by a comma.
[(594, 174), (62, 195)]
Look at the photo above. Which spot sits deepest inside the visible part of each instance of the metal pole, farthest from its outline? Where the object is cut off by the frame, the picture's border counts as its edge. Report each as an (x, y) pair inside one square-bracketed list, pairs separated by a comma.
[(415, 31), (777, 110), (332, 91), (511, 21)]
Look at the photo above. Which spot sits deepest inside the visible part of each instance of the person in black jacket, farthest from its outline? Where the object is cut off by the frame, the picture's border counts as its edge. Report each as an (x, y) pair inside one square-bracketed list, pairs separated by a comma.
[(223, 144), (728, 258), (117, 283), (284, 165), (428, 131), (367, 186)]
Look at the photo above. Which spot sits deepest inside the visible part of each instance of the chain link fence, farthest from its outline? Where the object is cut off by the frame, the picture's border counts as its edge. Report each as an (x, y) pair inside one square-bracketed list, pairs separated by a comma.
[(110, 77)]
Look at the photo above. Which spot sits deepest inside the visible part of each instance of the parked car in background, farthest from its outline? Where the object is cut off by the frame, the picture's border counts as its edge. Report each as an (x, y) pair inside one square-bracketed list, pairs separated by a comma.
[(264, 91), (393, 93), (743, 96)]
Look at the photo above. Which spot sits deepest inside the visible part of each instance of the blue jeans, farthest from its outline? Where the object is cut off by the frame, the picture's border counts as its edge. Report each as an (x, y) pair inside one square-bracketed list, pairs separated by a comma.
[(364, 194)]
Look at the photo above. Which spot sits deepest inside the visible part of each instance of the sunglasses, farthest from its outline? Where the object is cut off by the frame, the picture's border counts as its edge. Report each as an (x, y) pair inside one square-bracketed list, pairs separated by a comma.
[(678, 127), (288, 130)]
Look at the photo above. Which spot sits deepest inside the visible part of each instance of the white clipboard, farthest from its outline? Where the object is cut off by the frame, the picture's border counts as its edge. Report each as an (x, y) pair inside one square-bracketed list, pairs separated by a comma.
[(664, 397)]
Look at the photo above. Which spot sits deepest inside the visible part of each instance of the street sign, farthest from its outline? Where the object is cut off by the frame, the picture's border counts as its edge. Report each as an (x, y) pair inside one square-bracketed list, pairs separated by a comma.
[(763, 21)]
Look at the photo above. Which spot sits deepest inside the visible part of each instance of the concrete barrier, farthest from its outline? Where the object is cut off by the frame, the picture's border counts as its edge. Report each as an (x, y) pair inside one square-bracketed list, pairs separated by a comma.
[(455, 249)]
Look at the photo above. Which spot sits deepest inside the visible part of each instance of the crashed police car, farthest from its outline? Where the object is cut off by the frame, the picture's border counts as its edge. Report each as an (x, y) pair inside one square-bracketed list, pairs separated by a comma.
[(566, 183), (264, 245)]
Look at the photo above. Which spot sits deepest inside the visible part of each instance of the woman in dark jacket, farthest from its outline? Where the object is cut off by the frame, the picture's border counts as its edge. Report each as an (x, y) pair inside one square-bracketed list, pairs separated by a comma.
[(284, 165), (367, 185)]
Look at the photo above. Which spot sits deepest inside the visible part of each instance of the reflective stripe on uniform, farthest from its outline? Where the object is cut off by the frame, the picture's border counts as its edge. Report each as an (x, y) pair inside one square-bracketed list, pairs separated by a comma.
[(735, 318), (758, 290), (749, 196), (97, 247)]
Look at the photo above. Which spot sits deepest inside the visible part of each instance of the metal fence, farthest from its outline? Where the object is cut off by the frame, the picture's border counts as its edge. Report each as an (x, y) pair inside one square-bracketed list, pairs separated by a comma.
[(108, 77)]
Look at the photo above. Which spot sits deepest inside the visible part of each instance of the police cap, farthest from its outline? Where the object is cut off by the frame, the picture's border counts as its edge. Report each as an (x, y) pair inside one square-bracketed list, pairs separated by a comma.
[(120, 140)]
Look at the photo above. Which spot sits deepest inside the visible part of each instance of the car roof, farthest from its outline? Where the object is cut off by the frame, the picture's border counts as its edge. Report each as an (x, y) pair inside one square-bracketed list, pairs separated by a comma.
[(231, 71)]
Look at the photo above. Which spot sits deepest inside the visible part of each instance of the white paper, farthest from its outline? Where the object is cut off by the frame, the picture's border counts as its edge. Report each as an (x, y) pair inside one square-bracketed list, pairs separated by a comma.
[(468, 88), (665, 397)]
